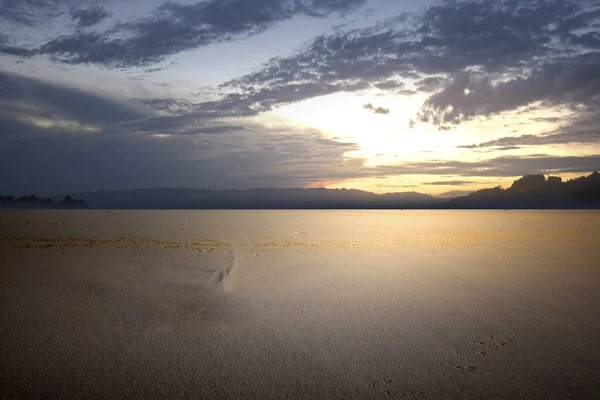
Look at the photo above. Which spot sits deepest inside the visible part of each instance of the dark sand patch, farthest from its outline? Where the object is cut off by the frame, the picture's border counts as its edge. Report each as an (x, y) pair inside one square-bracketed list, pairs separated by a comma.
[(122, 243), (427, 240)]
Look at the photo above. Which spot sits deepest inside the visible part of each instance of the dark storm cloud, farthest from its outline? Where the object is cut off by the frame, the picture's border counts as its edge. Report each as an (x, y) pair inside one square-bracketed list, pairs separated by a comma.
[(15, 51), (182, 116), (497, 38), (89, 16), (265, 157), (186, 123), (46, 146), (333, 60), (7, 48), (431, 84), (376, 110), (25, 102), (24, 98), (173, 28), (390, 85), (572, 80), (30, 12)]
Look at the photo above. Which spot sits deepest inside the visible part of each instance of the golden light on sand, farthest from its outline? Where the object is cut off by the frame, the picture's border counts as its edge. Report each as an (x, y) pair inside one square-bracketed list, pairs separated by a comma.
[(212, 304)]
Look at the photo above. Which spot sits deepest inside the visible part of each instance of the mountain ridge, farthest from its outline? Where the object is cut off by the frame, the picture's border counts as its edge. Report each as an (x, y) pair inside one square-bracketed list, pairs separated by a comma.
[(530, 191), (267, 198), (527, 192)]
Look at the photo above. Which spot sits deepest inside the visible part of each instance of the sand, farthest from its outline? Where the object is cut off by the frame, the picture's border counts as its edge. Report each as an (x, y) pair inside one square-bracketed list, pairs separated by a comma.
[(300, 304)]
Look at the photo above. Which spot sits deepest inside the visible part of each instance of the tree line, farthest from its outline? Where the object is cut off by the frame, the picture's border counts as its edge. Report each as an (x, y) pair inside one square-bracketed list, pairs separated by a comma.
[(32, 201)]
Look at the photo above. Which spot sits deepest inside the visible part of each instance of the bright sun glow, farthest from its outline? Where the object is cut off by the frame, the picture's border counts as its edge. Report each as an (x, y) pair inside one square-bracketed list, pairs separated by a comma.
[(388, 139)]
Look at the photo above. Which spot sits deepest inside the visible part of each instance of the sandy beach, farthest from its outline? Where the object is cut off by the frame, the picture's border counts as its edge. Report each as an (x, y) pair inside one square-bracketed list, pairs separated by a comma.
[(300, 304)]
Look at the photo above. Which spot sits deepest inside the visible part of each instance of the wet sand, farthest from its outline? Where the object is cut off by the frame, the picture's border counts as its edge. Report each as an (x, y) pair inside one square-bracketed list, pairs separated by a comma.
[(300, 304)]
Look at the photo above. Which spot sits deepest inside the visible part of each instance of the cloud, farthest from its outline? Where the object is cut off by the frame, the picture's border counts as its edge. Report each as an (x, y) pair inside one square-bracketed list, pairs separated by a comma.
[(472, 58), (506, 148), (584, 129), (58, 139), (430, 84), (514, 142), (265, 99), (169, 106), (449, 183), (455, 193), (507, 166), (376, 110), (173, 28), (390, 85), (572, 80), (243, 155), (259, 157), (444, 43), (89, 16), (213, 130), (31, 12), (487, 48), (7, 48), (116, 145), (25, 99), (30, 105)]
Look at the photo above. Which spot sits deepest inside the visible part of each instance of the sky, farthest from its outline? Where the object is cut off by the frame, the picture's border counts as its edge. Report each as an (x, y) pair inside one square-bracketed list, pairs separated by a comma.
[(438, 97)]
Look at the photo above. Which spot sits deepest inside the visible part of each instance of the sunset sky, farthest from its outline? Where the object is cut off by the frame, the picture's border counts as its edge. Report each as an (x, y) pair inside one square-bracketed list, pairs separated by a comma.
[(382, 95)]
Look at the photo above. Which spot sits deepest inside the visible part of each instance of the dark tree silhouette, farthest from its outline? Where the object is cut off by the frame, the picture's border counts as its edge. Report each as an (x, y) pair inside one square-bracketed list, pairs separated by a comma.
[(33, 201), (537, 191)]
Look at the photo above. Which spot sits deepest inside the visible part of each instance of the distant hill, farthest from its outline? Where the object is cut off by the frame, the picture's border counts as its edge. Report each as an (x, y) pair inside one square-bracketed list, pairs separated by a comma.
[(536, 191), (34, 202), (255, 199), (528, 192)]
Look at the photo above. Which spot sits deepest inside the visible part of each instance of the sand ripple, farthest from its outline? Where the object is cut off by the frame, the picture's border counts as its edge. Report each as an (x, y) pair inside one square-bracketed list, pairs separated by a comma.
[(122, 243), (441, 240)]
